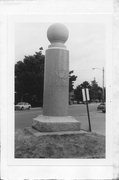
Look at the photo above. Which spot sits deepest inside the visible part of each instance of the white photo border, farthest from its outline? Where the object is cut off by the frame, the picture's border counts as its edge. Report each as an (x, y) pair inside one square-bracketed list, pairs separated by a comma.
[(8, 113)]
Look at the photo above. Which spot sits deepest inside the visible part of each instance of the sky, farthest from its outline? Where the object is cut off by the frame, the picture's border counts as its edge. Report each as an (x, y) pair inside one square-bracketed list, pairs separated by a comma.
[(86, 45)]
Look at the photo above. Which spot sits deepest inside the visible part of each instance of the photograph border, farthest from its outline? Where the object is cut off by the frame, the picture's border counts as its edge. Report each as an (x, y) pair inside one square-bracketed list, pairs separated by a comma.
[(9, 112)]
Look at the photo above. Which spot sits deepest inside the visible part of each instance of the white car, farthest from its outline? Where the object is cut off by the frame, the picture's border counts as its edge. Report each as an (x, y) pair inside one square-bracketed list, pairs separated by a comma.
[(22, 106)]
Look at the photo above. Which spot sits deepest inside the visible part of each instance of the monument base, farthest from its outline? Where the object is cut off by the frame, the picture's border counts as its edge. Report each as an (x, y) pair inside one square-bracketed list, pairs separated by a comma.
[(55, 124)]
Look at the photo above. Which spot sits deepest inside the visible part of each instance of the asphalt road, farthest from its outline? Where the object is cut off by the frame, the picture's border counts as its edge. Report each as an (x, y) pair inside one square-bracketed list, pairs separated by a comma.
[(24, 118)]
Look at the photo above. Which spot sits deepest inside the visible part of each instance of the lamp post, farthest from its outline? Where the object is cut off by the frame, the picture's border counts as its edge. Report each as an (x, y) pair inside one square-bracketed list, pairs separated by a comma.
[(102, 81)]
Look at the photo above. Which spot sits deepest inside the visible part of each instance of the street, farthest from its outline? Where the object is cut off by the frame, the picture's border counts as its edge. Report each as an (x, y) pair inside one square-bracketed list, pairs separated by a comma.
[(97, 118)]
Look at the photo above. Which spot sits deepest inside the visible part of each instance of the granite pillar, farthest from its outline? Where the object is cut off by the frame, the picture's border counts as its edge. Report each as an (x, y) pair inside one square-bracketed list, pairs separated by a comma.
[(56, 82)]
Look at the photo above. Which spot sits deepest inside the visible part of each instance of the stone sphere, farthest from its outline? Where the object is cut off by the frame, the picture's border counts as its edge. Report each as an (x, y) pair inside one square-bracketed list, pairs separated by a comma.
[(57, 33)]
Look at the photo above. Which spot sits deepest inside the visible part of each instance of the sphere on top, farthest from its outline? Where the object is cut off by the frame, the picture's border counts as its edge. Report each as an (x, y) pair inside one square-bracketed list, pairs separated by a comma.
[(57, 33)]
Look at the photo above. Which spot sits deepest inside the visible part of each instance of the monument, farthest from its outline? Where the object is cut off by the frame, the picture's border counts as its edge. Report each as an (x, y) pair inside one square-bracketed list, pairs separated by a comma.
[(56, 85)]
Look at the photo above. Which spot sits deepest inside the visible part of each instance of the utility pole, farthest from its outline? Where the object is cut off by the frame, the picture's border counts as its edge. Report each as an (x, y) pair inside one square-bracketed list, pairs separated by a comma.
[(103, 94)]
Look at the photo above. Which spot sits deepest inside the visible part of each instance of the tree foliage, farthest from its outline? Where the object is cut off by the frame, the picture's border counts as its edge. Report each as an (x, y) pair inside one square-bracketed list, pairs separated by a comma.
[(72, 79), (29, 79), (95, 91), (85, 84), (78, 90), (78, 93)]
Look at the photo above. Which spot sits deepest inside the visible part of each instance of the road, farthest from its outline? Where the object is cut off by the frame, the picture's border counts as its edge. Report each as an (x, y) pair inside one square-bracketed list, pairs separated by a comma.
[(24, 118)]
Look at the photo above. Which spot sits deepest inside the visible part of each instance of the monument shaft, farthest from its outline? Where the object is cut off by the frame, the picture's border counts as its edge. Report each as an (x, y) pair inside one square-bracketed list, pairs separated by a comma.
[(56, 82)]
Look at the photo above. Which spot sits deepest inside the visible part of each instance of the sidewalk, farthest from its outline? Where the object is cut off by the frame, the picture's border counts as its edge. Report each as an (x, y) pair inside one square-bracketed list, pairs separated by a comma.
[(97, 120)]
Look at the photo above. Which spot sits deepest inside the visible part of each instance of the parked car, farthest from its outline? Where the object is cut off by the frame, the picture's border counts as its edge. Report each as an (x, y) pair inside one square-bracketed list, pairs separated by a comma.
[(101, 106), (104, 109), (22, 106)]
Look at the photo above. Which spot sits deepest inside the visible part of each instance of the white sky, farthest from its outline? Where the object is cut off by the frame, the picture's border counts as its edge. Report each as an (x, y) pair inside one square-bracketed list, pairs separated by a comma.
[(86, 44)]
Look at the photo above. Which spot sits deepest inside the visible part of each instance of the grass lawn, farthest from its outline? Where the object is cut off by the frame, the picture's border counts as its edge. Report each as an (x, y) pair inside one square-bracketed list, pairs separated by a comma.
[(83, 145)]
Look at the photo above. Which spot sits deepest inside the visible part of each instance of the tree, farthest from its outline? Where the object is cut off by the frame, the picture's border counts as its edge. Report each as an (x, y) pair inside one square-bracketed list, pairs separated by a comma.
[(72, 79), (85, 84), (78, 91), (95, 91), (29, 79)]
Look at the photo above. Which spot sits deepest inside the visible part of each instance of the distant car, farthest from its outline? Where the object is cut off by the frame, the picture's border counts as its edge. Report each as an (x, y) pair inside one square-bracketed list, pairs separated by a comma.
[(22, 106), (74, 102), (80, 102), (101, 106)]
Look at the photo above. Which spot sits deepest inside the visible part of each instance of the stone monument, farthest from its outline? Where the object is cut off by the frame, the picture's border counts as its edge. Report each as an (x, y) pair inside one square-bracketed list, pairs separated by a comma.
[(56, 85), (56, 82)]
